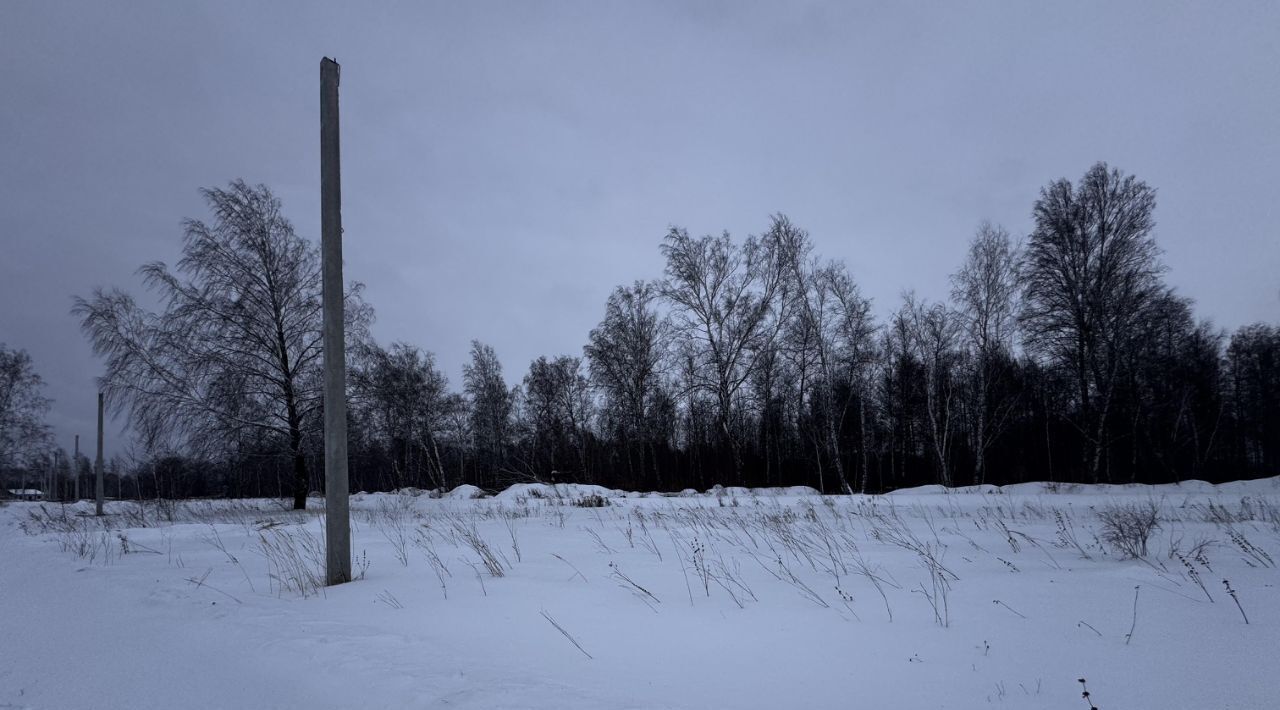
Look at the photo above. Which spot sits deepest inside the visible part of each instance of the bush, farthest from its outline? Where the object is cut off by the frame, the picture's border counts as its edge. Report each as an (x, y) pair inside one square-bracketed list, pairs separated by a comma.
[(1126, 528), (592, 501)]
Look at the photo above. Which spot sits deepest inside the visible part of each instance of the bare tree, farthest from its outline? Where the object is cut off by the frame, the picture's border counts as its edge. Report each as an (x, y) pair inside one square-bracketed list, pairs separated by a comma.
[(1253, 392), (932, 336), (832, 333), (626, 357), (23, 406), (455, 431), (404, 397), (1174, 406), (730, 301), (1090, 270), (986, 291), (492, 404), (236, 347), (855, 352), (558, 407)]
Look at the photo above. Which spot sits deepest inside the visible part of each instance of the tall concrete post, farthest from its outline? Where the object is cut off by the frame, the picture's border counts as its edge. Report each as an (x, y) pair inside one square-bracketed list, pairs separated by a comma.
[(75, 468), (97, 464), (337, 523)]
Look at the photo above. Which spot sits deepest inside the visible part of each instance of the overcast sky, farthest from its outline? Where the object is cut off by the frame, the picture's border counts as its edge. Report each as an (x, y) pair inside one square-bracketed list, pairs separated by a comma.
[(506, 165)]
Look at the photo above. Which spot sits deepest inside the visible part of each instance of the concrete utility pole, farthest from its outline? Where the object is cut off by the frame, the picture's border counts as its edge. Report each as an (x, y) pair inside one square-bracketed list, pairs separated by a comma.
[(97, 465), (75, 468), (337, 527)]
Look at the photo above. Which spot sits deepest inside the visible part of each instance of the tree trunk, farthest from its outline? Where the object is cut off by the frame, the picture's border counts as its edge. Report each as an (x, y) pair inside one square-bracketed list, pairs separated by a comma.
[(1100, 447), (299, 467), (653, 457), (862, 429), (735, 448), (817, 458), (980, 441), (833, 443)]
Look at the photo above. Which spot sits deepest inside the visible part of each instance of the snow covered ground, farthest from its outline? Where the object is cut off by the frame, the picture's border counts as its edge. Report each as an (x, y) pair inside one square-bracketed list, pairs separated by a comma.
[(970, 598)]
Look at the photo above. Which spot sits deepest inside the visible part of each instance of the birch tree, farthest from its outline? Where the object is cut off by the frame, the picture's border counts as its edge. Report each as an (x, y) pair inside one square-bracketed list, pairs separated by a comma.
[(729, 301), (932, 335), (23, 406), (985, 291), (1090, 271), (235, 348), (404, 397), (832, 327), (558, 406), (626, 358), (492, 404)]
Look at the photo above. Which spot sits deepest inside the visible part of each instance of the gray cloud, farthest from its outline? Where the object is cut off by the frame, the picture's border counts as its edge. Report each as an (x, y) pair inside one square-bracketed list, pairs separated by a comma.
[(506, 165)]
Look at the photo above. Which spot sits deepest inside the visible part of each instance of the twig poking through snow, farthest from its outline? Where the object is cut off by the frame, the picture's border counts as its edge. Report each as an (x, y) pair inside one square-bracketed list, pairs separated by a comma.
[(1084, 693), (386, 597), (1232, 592), (599, 542), (576, 571), (567, 635), (630, 585), (1088, 626), (997, 601), (201, 583), (1134, 625)]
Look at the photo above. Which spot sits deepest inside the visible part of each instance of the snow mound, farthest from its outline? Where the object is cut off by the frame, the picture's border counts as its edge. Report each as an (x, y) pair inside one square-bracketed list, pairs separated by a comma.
[(1258, 486), (788, 491), (557, 491), (414, 492), (931, 489), (732, 491), (465, 492), (1037, 488)]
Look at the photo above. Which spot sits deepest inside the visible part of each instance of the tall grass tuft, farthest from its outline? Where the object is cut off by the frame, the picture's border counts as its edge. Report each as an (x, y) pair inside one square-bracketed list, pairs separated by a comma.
[(1127, 528), (295, 560)]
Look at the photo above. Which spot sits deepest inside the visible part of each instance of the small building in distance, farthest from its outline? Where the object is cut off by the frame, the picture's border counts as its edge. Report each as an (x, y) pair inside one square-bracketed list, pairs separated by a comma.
[(26, 493)]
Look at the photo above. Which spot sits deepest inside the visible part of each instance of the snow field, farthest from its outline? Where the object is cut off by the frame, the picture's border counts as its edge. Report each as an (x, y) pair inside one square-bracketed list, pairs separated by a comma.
[(970, 598)]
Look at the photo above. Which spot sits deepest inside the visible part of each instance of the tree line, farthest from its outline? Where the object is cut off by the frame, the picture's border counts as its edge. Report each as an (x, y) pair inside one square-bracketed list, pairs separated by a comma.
[(1060, 356)]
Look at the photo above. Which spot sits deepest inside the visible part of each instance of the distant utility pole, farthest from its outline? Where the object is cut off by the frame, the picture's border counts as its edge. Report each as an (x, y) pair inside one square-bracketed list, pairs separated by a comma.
[(97, 466), (75, 468), (337, 527)]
